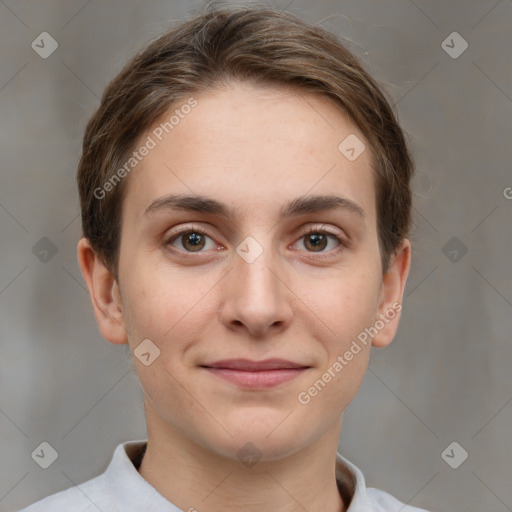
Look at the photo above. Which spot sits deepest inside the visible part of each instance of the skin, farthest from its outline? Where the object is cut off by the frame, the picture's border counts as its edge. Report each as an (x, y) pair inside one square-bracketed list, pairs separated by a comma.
[(255, 150)]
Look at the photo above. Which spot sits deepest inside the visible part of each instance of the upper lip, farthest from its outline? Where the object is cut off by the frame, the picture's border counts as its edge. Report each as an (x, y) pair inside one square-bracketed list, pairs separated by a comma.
[(254, 366)]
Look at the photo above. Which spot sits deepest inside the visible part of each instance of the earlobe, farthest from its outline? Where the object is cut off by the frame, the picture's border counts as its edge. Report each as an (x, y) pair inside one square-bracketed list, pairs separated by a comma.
[(391, 295), (104, 293)]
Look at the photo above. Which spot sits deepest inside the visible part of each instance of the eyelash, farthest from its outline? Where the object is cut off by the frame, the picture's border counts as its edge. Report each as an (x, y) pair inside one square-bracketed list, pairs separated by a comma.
[(342, 244)]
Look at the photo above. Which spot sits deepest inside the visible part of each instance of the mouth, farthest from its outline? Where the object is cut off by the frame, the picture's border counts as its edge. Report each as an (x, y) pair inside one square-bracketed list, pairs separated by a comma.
[(256, 374)]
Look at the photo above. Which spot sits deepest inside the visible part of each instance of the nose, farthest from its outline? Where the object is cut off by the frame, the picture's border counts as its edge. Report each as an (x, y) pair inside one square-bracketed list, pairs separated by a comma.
[(256, 297)]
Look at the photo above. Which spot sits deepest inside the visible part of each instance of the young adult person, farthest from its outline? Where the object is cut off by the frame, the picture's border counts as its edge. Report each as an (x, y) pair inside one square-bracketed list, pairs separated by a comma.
[(245, 199)]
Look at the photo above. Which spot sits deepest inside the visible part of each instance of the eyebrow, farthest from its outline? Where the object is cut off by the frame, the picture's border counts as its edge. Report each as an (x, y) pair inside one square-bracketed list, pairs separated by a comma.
[(298, 206)]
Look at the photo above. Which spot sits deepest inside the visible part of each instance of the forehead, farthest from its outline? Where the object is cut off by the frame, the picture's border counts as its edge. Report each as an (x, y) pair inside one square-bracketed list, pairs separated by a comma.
[(255, 147)]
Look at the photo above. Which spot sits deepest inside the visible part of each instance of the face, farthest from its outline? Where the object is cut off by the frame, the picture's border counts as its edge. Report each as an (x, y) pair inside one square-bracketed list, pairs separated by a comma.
[(275, 257)]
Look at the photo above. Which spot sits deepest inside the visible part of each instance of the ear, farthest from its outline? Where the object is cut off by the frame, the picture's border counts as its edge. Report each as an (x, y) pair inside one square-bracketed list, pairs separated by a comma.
[(391, 293), (104, 292)]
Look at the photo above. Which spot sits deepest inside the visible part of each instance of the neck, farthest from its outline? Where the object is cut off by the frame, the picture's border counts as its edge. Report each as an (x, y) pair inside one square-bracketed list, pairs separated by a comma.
[(194, 478)]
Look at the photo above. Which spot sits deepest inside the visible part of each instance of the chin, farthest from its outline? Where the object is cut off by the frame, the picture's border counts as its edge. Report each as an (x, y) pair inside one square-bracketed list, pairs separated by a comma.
[(251, 449), (263, 438)]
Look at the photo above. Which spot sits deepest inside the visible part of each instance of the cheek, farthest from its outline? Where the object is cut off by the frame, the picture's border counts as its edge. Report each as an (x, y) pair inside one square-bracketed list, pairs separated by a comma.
[(347, 308), (348, 304), (335, 383), (169, 309), (158, 299), (167, 317)]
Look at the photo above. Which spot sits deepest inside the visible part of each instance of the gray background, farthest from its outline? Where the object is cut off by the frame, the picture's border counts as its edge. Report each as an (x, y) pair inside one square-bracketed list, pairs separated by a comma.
[(445, 378)]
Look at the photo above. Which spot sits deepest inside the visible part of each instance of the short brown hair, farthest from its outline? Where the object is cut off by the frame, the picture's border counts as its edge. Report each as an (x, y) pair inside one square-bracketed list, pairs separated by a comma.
[(259, 45)]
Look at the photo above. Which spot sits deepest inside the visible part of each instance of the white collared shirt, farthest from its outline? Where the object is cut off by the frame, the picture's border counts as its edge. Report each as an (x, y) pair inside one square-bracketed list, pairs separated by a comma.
[(122, 489)]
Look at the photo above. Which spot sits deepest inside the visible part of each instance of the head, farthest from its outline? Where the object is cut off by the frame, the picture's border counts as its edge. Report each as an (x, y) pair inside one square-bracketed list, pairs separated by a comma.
[(245, 193)]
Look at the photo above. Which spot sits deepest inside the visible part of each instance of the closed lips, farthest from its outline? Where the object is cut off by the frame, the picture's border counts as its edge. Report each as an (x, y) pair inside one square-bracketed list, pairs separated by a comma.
[(255, 366)]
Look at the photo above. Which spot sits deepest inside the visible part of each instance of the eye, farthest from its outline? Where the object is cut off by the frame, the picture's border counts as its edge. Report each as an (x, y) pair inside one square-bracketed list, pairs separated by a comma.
[(195, 240), (191, 240), (317, 240)]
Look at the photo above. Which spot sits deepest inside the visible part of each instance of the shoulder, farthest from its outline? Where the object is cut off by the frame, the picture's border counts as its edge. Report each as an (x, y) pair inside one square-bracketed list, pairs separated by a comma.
[(86, 497), (366, 499), (119, 487), (383, 502)]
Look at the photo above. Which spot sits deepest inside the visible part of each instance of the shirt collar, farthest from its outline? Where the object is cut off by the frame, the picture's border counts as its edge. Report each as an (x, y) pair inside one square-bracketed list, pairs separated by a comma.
[(131, 491)]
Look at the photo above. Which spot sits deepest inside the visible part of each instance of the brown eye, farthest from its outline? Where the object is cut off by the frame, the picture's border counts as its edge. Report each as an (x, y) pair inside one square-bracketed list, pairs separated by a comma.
[(316, 242), (190, 241), (193, 241)]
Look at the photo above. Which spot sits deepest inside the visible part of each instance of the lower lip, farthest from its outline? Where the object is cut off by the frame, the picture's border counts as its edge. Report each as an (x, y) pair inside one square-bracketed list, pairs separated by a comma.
[(261, 379)]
